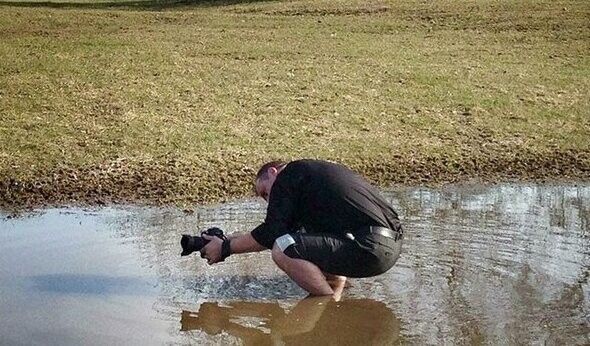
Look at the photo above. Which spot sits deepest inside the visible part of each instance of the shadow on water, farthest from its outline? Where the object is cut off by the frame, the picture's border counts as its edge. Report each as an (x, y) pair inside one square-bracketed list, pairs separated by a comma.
[(316, 320), (148, 5), (100, 285)]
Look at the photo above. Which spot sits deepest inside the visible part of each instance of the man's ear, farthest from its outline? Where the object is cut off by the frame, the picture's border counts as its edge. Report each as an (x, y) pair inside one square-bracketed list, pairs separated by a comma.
[(273, 171)]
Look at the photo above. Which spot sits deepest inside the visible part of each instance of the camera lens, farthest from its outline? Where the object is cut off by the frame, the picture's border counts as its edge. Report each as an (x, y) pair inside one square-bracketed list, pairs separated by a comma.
[(191, 244)]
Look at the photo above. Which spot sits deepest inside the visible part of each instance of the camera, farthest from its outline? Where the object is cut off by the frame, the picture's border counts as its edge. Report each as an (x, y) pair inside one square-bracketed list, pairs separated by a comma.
[(191, 243)]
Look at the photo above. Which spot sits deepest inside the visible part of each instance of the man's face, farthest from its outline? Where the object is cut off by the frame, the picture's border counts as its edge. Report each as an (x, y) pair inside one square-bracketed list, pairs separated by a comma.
[(264, 184), (263, 187)]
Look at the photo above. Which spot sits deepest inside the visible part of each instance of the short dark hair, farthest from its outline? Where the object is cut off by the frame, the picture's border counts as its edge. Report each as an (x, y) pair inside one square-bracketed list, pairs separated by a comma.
[(263, 171)]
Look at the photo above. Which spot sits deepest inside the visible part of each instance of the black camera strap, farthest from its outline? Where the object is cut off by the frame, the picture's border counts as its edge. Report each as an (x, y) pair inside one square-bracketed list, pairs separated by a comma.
[(225, 249)]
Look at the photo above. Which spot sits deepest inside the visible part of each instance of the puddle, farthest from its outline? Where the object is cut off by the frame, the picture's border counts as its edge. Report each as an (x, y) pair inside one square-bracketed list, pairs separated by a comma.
[(507, 264)]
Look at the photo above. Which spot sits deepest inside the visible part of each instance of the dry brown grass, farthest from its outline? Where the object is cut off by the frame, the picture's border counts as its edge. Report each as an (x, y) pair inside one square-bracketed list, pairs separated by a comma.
[(103, 103)]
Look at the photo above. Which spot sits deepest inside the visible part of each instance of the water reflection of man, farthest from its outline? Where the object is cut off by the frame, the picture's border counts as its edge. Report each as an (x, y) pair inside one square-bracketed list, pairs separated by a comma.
[(318, 320), (349, 229)]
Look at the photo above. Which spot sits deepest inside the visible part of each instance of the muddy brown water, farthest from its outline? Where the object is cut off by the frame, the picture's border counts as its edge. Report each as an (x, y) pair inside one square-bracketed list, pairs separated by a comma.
[(506, 264)]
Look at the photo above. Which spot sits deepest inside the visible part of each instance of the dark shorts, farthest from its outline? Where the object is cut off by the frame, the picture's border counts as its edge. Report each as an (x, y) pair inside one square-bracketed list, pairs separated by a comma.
[(364, 256)]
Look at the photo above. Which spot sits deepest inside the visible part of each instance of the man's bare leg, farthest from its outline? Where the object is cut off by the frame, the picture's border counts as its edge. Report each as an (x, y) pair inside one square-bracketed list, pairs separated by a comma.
[(337, 283), (306, 274)]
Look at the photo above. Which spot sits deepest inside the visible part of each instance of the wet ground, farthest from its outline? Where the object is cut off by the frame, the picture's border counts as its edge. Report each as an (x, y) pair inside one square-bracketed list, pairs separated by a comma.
[(507, 264)]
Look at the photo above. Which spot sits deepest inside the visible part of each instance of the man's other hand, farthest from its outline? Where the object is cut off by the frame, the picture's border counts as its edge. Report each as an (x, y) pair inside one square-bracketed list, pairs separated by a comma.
[(212, 251)]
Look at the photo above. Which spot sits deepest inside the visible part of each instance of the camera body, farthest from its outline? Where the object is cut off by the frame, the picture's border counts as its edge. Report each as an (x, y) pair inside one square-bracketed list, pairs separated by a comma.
[(191, 243)]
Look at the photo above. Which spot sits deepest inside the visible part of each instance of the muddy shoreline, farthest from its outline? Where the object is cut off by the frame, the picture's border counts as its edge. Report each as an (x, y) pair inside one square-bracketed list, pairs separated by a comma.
[(172, 181)]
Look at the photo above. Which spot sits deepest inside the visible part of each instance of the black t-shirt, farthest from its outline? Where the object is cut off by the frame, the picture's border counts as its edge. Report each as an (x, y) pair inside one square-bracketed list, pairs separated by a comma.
[(322, 197)]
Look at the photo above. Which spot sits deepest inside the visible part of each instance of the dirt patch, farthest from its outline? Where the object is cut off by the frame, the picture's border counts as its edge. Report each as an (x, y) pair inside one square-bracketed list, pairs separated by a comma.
[(173, 181)]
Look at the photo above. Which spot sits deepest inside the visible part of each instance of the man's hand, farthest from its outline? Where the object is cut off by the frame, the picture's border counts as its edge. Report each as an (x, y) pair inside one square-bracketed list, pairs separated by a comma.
[(211, 251)]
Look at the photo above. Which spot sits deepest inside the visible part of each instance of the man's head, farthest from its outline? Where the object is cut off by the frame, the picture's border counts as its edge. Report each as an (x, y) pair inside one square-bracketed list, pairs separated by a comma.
[(266, 176)]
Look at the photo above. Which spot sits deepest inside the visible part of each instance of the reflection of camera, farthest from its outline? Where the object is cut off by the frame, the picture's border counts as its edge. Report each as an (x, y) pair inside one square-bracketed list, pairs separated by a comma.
[(191, 243)]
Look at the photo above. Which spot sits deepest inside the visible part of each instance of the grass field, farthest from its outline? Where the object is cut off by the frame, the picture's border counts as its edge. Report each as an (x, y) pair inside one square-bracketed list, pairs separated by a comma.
[(179, 102)]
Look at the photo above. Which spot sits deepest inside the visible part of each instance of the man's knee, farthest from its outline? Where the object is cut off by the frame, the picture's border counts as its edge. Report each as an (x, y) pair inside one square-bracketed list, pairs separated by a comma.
[(278, 255), (282, 247), (276, 252)]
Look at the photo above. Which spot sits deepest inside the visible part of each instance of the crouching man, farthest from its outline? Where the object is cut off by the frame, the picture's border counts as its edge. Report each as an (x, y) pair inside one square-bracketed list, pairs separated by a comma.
[(324, 223)]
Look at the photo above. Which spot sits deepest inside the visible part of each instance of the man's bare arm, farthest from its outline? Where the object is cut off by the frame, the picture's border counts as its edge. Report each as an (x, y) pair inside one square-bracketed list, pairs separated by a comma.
[(241, 243)]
